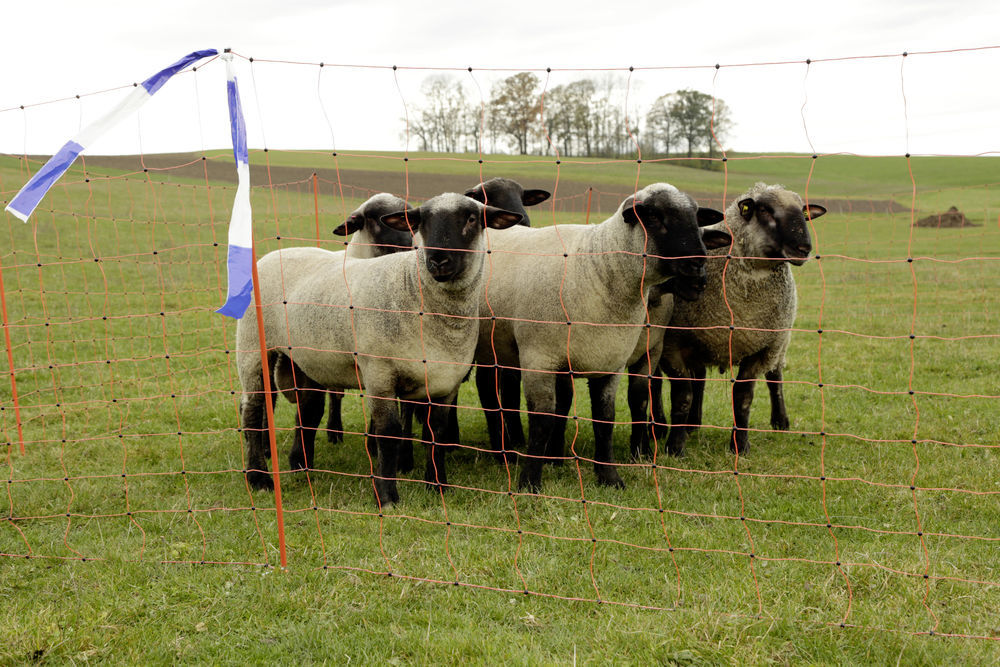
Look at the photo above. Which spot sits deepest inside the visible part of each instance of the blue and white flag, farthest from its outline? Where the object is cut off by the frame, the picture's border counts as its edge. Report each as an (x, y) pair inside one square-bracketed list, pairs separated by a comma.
[(240, 260), (31, 194)]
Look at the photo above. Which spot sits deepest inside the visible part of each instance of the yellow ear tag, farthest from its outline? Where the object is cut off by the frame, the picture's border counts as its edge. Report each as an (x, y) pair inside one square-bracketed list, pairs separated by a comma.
[(745, 209)]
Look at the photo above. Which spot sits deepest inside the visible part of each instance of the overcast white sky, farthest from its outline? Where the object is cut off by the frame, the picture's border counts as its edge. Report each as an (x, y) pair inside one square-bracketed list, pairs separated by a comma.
[(56, 49)]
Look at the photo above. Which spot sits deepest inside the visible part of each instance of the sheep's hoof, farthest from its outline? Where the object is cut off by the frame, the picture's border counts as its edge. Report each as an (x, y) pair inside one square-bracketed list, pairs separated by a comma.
[(739, 445), (640, 443), (675, 448), (260, 480), (296, 461), (334, 437), (386, 493), (607, 475), (530, 480), (780, 423)]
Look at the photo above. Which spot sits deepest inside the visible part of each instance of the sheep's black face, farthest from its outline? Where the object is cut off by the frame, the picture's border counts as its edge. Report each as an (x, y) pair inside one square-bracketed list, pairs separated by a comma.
[(385, 240), (508, 195), (780, 225), (450, 226), (674, 242)]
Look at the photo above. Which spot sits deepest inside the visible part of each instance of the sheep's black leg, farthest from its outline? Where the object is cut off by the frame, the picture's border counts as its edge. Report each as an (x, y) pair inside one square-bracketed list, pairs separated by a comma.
[(334, 422), (660, 424), (639, 386), (742, 399), (453, 434), (309, 414), (437, 431), (405, 456), (386, 430), (510, 404), (555, 448), (697, 398), (539, 391), (602, 406), (680, 409), (775, 386), (254, 424)]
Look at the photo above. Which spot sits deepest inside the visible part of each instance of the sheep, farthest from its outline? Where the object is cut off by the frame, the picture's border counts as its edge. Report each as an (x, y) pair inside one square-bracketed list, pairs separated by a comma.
[(500, 391), (569, 300), (770, 231), (370, 239), (404, 324)]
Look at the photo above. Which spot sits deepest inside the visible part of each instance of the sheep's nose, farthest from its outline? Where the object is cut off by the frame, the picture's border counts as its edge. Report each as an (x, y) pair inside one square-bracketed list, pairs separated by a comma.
[(693, 267), (441, 268), (804, 248)]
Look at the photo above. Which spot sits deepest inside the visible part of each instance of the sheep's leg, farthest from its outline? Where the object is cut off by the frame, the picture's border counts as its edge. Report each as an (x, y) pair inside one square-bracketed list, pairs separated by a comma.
[(405, 456), (697, 398), (334, 421), (639, 386), (254, 424), (539, 392), (742, 399), (510, 404), (437, 432), (387, 431), (681, 395), (309, 400), (453, 434), (555, 448), (660, 424), (602, 405), (775, 386), (489, 399)]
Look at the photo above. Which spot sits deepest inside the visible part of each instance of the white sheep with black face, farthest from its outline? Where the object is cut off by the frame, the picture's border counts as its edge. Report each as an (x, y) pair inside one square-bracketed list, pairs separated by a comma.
[(570, 299), (509, 195), (500, 389), (405, 323), (370, 237), (770, 231)]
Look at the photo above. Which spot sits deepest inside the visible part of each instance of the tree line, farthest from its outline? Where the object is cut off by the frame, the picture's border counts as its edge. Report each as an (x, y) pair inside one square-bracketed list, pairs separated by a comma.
[(587, 117)]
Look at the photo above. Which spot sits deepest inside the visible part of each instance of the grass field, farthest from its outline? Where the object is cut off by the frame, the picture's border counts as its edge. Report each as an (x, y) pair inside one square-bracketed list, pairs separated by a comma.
[(131, 535)]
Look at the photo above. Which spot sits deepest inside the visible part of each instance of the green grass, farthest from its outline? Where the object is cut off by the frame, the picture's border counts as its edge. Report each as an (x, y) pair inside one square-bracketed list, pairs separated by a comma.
[(143, 594)]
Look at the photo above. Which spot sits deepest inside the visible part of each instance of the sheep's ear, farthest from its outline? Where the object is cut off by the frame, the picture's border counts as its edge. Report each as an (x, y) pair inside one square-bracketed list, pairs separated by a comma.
[(634, 211), (398, 220), (716, 238), (813, 211), (747, 208), (709, 216), (533, 197), (477, 194), (497, 218), (351, 225)]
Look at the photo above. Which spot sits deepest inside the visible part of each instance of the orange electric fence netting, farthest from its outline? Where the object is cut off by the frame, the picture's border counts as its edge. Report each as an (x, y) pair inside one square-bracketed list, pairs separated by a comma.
[(877, 508)]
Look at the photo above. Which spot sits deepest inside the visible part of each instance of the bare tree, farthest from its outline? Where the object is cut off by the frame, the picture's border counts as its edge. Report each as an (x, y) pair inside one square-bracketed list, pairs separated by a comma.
[(661, 130), (442, 123), (514, 109)]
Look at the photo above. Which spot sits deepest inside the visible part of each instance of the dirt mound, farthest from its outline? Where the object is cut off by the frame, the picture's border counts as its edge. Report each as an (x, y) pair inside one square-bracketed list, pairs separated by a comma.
[(950, 218)]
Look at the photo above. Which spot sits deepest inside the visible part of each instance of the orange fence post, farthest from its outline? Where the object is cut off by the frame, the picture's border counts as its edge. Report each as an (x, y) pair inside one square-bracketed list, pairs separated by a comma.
[(10, 362), (269, 408), (590, 194)]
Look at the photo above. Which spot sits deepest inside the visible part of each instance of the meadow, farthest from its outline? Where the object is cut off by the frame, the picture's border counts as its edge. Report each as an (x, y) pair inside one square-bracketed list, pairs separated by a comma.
[(867, 533)]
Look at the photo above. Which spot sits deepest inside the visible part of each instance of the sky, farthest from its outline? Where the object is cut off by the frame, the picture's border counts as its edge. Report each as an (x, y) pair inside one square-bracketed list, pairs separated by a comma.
[(943, 103)]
